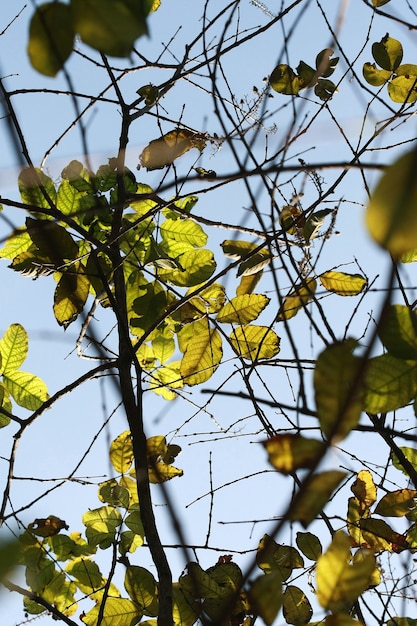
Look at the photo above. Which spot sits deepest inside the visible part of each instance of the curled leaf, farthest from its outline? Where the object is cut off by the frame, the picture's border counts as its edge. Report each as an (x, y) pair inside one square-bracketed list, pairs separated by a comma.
[(163, 151)]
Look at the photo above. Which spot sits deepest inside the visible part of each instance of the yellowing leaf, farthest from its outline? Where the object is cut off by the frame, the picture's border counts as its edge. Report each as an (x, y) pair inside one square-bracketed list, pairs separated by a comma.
[(295, 606), (388, 53), (166, 379), (202, 355), (297, 299), (163, 151), (402, 89), (343, 284), (356, 511), (374, 76), (390, 383), (377, 534), (248, 283), (185, 231), (117, 612), (339, 583), (397, 503), (340, 619), (101, 525), (316, 493), (243, 309), (255, 342), (391, 217), (121, 452), (290, 452), (51, 37), (70, 296), (47, 527), (364, 489), (284, 80), (339, 404), (141, 586)]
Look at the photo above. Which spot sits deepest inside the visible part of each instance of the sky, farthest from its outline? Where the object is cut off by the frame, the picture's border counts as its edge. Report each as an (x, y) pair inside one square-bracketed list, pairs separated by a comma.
[(221, 443)]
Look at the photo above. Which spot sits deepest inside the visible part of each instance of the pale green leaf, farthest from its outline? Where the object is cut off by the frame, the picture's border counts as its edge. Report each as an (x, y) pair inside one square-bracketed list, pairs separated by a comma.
[(202, 354), (398, 331), (16, 243), (121, 452), (390, 383), (197, 267), (374, 76), (309, 545), (141, 586), (13, 348), (101, 525), (117, 612), (255, 342), (51, 37), (165, 379), (343, 284), (243, 309), (36, 189), (28, 390), (185, 231)]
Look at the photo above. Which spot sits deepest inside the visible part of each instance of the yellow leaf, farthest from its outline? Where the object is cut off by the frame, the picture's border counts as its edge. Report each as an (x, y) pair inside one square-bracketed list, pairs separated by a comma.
[(297, 299), (343, 284), (364, 489), (340, 583), (51, 37), (163, 151), (391, 217), (243, 309), (315, 495), (397, 503), (121, 452), (255, 342), (290, 452), (202, 354), (70, 296)]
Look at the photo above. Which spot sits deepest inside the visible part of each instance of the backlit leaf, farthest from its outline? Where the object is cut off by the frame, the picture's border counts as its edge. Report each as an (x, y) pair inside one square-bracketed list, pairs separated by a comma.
[(243, 309), (197, 267), (265, 596), (398, 331), (317, 492), (314, 223), (17, 242), (339, 583), (107, 26), (202, 355), (163, 151), (391, 217), (34, 185), (117, 612), (410, 454), (255, 342), (339, 404), (390, 383), (403, 89), (397, 503), (297, 299), (309, 545), (380, 3), (364, 489), (356, 511), (28, 390), (295, 606), (101, 525), (248, 283), (52, 240), (13, 348), (271, 556), (185, 231), (121, 452), (284, 80), (288, 453), (185, 610), (377, 534), (51, 37), (343, 284), (70, 296), (388, 53), (374, 76), (141, 586)]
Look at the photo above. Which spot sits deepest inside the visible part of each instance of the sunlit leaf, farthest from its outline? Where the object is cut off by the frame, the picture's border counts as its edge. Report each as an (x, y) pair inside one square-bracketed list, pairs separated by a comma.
[(339, 402), (255, 263), (391, 217), (343, 284), (374, 76), (403, 89), (101, 525), (314, 223), (109, 27), (390, 383), (398, 331), (309, 545), (166, 379), (272, 556), (17, 242), (265, 596), (51, 37), (197, 267), (317, 492), (202, 355), (36, 188), (117, 612), (288, 453), (388, 53), (297, 299), (13, 348), (284, 80), (209, 300), (28, 390), (340, 619), (255, 342), (121, 452), (377, 534), (356, 511), (248, 283), (243, 309), (410, 454), (141, 586), (339, 583), (163, 151), (70, 296), (185, 610), (112, 493), (364, 489), (295, 606), (397, 503), (185, 231)]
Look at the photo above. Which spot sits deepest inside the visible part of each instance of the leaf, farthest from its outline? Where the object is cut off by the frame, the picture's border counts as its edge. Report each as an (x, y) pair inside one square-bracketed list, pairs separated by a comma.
[(255, 263), (185, 610), (338, 393), (340, 619), (121, 452), (391, 217), (390, 383), (284, 80), (248, 283), (375, 76), (51, 37), (343, 284), (288, 453), (410, 454), (117, 612), (388, 53), (243, 309), (377, 534), (197, 267), (52, 240), (185, 231), (112, 493), (397, 503), (398, 331), (34, 185), (47, 527), (401, 621), (202, 355), (272, 557), (380, 3), (364, 489), (403, 89), (108, 26), (70, 296), (325, 89), (295, 606), (28, 390), (160, 472), (265, 596), (356, 511), (13, 348), (309, 545), (101, 525), (141, 586), (317, 491), (255, 342), (297, 299), (314, 223), (17, 242), (162, 152), (340, 583)]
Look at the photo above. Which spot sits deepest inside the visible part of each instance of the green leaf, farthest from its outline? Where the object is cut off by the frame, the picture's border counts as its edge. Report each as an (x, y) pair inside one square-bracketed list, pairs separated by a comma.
[(70, 295), (165, 379), (398, 331), (390, 383), (112, 493), (284, 80), (325, 89), (185, 231), (388, 53), (34, 185), (343, 284), (108, 26), (13, 348), (243, 309), (197, 267), (265, 596), (297, 299), (339, 404), (52, 240), (339, 583), (162, 152), (397, 503), (288, 452), (101, 525), (272, 557), (51, 37), (316, 494), (410, 454), (403, 89), (121, 452), (296, 607), (117, 612), (68, 199), (185, 610), (28, 390), (309, 545), (19, 241), (141, 587), (375, 76), (255, 342), (325, 64), (202, 354)]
